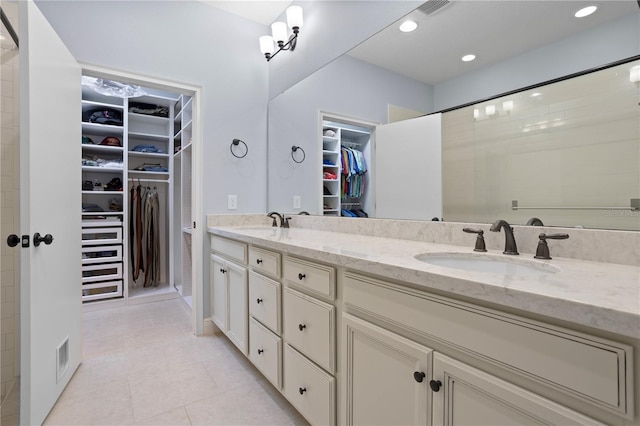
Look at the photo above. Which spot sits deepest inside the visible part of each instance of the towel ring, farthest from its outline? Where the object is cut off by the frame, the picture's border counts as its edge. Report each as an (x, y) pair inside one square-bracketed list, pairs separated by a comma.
[(237, 142), (295, 149)]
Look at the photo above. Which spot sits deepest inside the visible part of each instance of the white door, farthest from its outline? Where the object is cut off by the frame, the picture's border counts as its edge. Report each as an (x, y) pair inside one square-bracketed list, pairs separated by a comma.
[(408, 169), (50, 203), (218, 288), (238, 309), (387, 376)]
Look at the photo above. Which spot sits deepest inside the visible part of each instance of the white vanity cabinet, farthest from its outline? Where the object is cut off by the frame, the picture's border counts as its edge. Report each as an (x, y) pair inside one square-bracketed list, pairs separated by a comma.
[(229, 291)]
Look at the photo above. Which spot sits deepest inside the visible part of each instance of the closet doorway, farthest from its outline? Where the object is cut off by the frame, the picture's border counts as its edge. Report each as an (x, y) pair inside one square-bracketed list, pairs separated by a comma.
[(141, 200)]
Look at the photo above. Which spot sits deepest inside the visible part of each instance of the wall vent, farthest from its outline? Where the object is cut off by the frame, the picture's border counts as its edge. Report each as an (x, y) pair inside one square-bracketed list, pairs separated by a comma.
[(62, 359), (432, 6)]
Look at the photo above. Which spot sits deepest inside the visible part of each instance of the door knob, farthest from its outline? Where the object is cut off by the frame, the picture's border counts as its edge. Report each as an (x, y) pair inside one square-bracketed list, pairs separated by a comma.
[(419, 376), (37, 239), (435, 385), (13, 240)]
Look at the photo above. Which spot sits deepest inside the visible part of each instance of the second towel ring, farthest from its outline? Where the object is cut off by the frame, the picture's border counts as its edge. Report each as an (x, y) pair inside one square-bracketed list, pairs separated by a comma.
[(237, 142), (294, 149)]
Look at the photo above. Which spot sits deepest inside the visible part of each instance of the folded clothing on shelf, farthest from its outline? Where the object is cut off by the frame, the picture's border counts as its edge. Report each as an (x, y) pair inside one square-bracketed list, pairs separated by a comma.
[(95, 161), (148, 109), (103, 116), (88, 207), (111, 141), (329, 175), (326, 162), (148, 148), (146, 167)]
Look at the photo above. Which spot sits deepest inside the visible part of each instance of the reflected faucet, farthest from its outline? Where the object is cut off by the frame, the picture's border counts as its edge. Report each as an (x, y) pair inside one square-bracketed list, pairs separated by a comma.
[(510, 241), (273, 215), (534, 221)]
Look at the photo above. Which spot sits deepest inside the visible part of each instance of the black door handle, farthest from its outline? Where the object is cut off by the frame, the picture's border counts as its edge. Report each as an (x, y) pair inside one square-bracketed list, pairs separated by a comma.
[(435, 385), (419, 376), (13, 240), (37, 239)]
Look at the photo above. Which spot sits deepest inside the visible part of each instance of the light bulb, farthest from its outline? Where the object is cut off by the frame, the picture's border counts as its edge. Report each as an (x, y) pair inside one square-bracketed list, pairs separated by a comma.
[(279, 31), (266, 44), (490, 109), (294, 16), (634, 74)]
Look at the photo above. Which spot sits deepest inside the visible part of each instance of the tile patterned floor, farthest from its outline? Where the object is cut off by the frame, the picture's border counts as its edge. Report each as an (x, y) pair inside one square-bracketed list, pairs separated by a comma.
[(143, 366)]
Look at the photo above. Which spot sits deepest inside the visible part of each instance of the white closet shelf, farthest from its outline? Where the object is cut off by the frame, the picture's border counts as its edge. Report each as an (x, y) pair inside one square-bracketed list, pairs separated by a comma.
[(87, 105), (328, 151), (108, 213), (101, 192), (101, 129), (147, 118), (101, 148), (331, 180), (145, 173), (187, 230), (147, 154), (101, 169), (329, 210), (148, 136)]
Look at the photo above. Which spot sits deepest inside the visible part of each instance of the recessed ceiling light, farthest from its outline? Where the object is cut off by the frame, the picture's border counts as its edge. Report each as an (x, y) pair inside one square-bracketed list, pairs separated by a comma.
[(468, 58), (408, 26), (585, 11)]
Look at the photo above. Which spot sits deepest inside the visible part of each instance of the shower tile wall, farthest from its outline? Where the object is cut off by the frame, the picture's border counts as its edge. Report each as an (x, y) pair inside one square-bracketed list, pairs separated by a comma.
[(9, 202), (572, 143)]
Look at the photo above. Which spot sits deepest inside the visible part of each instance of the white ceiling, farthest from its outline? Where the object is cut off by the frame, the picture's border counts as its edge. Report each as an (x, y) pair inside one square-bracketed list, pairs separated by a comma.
[(493, 30)]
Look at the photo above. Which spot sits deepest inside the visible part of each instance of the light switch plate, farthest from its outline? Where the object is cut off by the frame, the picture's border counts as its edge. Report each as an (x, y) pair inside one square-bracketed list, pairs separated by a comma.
[(296, 201), (232, 202)]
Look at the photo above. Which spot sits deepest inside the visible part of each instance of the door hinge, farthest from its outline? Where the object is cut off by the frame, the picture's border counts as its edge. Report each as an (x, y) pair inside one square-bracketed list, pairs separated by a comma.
[(194, 224)]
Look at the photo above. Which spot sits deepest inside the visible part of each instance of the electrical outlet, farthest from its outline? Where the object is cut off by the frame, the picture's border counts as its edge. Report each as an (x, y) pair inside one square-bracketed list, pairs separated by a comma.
[(232, 202), (296, 201)]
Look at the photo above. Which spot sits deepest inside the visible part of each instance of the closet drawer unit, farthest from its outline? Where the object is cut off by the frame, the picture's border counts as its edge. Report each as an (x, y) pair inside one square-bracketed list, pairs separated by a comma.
[(108, 271), (265, 261), (264, 301), (101, 236), (229, 248), (589, 368), (102, 290), (313, 277), (309, 389), (101, 254), (309, 326), (265, 352)]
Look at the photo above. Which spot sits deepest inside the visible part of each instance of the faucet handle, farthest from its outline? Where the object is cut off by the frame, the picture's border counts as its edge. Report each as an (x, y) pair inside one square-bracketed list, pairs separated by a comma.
[(285, 221), (542, 252), (480, 246)]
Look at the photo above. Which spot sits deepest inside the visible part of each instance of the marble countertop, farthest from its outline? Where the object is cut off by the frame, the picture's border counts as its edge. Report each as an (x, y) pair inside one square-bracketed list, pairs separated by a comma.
[(599, 295)]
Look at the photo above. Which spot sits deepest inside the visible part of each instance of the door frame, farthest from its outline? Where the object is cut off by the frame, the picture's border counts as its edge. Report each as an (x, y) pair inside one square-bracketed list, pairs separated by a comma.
[(197, 271)]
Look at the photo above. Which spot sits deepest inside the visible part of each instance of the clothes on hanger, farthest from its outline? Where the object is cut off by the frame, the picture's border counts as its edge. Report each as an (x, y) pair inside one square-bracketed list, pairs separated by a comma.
[(354, 167), (353, 213), (144, 235)]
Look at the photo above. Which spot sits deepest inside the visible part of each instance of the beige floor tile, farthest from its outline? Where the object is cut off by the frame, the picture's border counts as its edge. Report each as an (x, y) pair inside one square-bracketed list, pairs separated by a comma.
[(175, 417)]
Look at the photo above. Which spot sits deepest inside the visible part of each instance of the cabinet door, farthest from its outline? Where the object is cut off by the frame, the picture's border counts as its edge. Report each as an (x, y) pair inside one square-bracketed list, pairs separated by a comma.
[(468, 396), (238, 316), (387, 376), (218, 283)]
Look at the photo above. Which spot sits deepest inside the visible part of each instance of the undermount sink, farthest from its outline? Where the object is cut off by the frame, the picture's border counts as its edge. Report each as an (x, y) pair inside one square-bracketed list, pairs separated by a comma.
[(488, 263)]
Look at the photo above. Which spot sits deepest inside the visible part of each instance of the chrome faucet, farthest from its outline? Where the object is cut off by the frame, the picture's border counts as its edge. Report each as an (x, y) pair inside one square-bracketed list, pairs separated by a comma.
[(273, 215), (510, 241)]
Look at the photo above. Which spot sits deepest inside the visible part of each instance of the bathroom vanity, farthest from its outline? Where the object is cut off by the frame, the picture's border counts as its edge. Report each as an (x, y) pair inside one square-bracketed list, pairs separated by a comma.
[(361, 329)]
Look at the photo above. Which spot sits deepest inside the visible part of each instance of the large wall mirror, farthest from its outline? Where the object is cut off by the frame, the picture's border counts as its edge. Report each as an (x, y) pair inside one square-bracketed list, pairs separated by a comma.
[(568, 150)]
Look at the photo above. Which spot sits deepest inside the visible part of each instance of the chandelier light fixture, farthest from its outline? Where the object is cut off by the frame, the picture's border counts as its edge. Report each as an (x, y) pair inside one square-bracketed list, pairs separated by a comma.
[(280, 34)]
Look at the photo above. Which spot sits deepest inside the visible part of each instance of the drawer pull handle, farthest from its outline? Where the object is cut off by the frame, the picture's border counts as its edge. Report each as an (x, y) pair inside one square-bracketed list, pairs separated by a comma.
[(260, 351), (259, 301), (435, 385), (302, 390), (419, 376), (258, 261), (223, 271), (301, 276), (301, 327)]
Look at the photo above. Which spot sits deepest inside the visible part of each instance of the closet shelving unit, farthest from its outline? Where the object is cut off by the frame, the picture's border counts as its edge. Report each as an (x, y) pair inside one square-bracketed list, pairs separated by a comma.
[(349, 136), (106, 270), (182, 196)]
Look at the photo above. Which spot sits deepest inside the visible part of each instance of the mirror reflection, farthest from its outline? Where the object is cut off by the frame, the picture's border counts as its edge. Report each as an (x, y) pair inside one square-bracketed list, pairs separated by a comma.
[(573, 149)]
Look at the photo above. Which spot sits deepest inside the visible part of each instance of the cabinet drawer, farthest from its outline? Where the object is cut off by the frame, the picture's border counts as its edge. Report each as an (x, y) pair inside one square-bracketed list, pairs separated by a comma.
[(265, 351), (102, 290), (590, 368), (100, 236), (309, 389), (265, 261), (109, 271), (312, 277), (231, 249), (309, 326), (101, 254), (264, 301)]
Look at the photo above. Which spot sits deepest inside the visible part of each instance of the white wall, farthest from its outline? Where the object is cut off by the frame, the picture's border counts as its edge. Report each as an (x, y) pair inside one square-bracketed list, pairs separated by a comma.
[(608, 43), (348, 87), (189, 42), (330, 29)]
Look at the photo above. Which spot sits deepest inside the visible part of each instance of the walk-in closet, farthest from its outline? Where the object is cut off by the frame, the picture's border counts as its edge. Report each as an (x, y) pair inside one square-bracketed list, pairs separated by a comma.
[(346, 169), (136, 192)]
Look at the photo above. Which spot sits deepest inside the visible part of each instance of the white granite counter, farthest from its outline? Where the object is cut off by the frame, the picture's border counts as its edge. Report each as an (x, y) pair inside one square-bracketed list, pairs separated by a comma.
[(599, 295)]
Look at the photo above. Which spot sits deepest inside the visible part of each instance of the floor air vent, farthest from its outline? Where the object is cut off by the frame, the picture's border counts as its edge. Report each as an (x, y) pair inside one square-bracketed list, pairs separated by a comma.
[(432, 6), (62, 358)]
